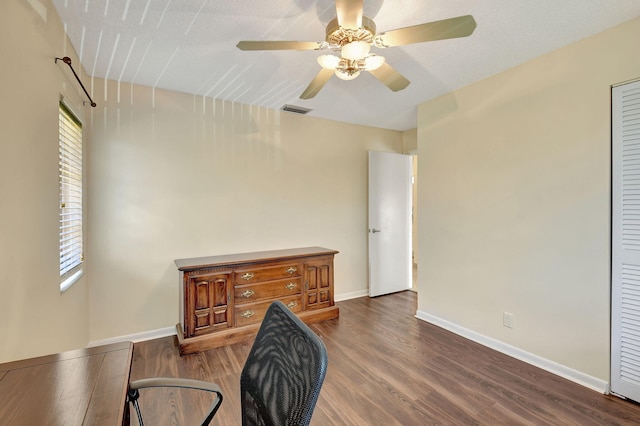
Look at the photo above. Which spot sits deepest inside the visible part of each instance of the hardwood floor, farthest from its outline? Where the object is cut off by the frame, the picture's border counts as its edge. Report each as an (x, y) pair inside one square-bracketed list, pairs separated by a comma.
[(388, 368)]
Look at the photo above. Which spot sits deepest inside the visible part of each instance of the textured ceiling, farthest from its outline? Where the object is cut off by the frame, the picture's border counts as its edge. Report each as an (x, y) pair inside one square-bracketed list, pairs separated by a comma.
[(189, 46)]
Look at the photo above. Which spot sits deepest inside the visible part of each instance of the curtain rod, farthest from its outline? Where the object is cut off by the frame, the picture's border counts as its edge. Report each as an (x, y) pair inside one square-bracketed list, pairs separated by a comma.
[(67, 60)]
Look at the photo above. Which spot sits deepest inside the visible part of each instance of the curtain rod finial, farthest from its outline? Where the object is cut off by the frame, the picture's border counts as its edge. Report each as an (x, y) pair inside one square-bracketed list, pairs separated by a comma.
[(66, 60)]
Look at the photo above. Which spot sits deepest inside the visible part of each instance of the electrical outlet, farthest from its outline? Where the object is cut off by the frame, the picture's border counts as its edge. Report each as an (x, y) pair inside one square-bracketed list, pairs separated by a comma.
[(507, 319)]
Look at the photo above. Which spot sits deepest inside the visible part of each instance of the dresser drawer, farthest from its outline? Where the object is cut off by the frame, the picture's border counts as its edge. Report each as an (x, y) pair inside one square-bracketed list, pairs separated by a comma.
[(252, 313), (267, 290), (267, 273)]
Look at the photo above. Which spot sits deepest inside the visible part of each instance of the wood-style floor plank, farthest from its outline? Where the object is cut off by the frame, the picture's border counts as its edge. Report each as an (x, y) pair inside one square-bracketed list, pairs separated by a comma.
[(388, 368)]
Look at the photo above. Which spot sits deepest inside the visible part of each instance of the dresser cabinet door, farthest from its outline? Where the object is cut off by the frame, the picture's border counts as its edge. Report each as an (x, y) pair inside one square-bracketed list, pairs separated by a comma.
[(208, 303), (318, 283)]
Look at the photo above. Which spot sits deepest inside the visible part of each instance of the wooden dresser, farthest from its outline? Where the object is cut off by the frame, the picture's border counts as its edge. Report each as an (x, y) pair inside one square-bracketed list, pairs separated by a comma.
[(224, 298)]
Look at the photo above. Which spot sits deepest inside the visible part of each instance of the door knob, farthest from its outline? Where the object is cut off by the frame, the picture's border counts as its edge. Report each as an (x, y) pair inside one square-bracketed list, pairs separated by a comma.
[(374, 230)]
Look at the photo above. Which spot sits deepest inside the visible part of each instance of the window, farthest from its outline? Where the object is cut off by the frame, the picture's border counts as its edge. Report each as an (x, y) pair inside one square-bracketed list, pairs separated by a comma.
[(70, 183)]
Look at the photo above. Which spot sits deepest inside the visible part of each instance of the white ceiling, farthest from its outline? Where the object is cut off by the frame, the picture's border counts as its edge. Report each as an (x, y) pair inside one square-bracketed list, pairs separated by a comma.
[(189, 46)]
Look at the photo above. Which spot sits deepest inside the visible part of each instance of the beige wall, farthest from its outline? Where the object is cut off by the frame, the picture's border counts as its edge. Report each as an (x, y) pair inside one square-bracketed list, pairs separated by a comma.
[(168, 175), (35, 317), (410, 141), (514, 201), (175, 175)]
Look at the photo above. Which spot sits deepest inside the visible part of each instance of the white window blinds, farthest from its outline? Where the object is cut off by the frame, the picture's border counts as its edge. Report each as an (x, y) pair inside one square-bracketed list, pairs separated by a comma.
[(70, 181)]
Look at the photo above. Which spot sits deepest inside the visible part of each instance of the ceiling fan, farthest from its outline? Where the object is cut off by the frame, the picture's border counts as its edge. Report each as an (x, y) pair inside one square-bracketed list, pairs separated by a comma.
[(351, 35)]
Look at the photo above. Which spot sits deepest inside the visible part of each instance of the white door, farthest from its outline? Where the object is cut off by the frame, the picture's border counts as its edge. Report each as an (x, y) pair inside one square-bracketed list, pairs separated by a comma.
[(389, 223), (625, 253)]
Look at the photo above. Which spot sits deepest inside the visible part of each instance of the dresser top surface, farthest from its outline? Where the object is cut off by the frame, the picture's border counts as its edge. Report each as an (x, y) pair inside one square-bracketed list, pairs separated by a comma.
[(192, 263)]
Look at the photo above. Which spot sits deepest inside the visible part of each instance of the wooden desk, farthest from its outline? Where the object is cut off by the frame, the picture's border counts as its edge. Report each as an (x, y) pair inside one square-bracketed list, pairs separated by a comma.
[(81, 387)]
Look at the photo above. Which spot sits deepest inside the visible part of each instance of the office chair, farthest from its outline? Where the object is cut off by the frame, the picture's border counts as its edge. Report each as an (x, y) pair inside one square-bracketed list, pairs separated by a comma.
[(283, 374), (281, 379)]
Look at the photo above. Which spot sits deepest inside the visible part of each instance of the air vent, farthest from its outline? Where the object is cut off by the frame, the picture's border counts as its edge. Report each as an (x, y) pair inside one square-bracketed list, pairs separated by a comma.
[(296, 109)]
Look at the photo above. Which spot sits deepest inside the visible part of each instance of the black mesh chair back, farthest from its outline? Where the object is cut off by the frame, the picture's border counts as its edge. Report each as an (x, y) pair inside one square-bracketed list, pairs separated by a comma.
[(282, 377)]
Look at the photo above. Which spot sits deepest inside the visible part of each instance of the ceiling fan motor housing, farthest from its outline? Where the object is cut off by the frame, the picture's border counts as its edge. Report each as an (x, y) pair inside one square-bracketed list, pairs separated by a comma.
[(339, 36)]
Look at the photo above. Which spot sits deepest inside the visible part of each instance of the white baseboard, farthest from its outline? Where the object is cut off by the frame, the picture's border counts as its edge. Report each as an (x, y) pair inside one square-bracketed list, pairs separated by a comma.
[(352, 295), (171, 331), (137, 337), (545, 364)]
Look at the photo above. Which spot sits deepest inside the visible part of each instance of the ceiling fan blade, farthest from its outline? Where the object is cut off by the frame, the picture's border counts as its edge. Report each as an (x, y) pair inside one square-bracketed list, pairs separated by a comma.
[(462, 26), (390, 77), (349, 13), (316, 84), (279, 45)]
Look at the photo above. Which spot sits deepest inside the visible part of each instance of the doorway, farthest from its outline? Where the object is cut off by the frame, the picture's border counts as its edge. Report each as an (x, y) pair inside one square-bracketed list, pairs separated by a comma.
[(414, 222)]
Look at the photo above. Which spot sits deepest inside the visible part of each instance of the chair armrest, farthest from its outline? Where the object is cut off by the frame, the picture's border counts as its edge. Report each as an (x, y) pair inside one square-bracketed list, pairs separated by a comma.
[(170, 382)]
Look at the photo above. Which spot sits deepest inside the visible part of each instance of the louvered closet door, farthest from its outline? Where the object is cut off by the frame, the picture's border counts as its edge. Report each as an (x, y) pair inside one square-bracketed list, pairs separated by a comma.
[(625, 294)]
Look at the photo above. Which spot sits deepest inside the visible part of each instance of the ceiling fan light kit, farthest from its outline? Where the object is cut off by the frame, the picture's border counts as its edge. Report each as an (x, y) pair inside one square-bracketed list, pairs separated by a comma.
[(353, 35), (329, 62), (355, 50), (348, 69), (373, 62), (348, 74)]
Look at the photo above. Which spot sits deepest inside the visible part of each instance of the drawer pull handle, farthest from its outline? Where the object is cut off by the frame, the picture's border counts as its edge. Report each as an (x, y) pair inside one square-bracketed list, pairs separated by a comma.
[(248, 293), (292, 305), (290, 286), (248, 276), (291, 270), (247, 314)]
